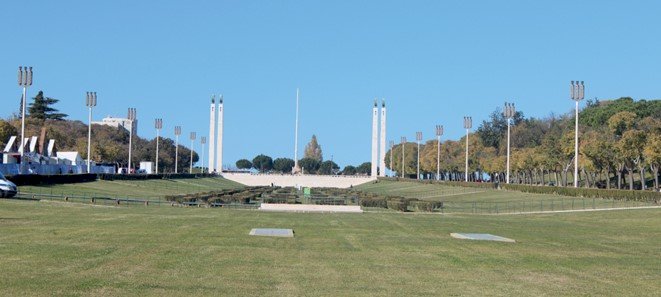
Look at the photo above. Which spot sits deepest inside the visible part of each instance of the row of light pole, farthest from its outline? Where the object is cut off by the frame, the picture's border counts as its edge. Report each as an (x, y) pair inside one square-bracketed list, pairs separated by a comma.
[(24, 81)]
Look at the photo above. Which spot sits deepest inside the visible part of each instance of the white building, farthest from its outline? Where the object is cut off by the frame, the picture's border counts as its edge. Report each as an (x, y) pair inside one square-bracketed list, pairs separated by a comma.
[(120, 122), (71, 158)]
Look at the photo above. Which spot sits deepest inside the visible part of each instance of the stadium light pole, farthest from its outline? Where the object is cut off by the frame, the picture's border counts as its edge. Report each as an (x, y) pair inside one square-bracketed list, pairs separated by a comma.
[(177, 132), (392, 145), (439, 133), (509, 115), (158, 124), (418, 138), (203, 141), (24, 81), (131, 117), (577, 91), (192, 144), (403, 145), (90, 102), (468, 124)]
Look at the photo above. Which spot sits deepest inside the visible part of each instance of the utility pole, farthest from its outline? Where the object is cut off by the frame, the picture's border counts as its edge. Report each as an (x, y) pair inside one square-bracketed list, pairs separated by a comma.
[(403, 145), (24, 81), (90, 102), (193, 135), (177, 132), (131, 117), (203, 141), (418, 139), (468, 124), (509, 113), (158, 124)]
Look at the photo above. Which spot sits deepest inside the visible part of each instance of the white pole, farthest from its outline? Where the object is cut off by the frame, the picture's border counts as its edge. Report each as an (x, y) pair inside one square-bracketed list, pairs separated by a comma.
[(203, 153), (176, 153), (21, 149), (403, 145), (130, 147), (507, 176), (576, 149), (418, 177), (89, 139), (466, 174), (438, 158), (192, 143), (157, 138), (296, 168)]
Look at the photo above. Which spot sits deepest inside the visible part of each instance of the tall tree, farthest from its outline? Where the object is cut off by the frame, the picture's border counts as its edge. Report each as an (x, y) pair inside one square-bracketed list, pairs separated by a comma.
[(313, 150), (41, 108), (283, 165), (309, 165), (243, 164), (263, 163)]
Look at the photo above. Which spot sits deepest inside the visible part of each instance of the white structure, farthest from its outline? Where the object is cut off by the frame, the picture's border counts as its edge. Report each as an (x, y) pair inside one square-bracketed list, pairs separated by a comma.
[(375, 139), (298, 180), (378, 141), (131, 126), (146, 167), (382, 139), (73, 157), (296, 169), (212, 135), (219, 145)]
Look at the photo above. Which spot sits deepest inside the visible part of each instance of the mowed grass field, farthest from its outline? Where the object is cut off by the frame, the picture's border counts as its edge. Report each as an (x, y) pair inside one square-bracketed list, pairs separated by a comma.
[(152, 189), (58, 249)]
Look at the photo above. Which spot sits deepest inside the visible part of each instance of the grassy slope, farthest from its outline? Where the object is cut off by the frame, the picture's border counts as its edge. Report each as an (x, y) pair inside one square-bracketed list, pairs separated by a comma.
[(49, 248), (142, 189)]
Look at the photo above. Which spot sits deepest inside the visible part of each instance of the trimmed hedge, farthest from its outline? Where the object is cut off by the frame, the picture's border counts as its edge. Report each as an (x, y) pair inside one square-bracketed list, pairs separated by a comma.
[(108, 176), (37, 179), (641, 196)]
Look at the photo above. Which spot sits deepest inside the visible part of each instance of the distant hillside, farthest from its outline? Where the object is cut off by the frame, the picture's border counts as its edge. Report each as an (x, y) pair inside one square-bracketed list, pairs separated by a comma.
[(109, 144)]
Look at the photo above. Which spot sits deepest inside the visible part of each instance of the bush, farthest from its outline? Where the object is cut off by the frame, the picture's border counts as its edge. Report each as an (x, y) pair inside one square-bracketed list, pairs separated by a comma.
[(37, 179), (641, 196), (426, 205)]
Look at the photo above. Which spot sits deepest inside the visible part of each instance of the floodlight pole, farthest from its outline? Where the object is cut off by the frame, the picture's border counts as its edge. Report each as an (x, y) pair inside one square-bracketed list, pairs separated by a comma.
[(131, 117), (468, 124), (177, 132), (439, 133), (203, 141), (90, 101), (158, 124), (509, 115), (418, 138), (577, 91), (24, 81), (403, 145), (192, 144)]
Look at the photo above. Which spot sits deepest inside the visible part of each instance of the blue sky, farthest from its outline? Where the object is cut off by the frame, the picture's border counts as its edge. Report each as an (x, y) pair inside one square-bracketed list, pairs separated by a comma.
[(433, 62)]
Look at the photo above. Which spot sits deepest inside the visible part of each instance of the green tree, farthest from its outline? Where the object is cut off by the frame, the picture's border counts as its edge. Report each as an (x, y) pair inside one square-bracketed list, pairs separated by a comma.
[(309, 165), (243, 164), (41, 108), (313, 150), (328, 167), (365, 168), (6, 131), (350, 170), (262, 163), (621, 122), (283, 165)]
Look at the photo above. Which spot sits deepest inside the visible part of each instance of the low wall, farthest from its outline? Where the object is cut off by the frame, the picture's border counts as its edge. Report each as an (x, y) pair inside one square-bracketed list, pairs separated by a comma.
[(311, 208), (288, 180)]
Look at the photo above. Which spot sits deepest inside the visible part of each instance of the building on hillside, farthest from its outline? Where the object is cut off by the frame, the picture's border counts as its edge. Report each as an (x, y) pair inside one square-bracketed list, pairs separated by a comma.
[(120, 122), (71, 158)]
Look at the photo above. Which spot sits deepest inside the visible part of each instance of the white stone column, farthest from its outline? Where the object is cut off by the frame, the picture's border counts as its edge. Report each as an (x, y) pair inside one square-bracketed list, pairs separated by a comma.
[(382, 140), (375, 139), (219, 146), (212, 135)]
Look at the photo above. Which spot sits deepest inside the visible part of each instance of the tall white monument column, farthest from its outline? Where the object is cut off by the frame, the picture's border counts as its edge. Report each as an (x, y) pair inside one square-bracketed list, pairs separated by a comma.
[(382, 139), (375, 138), (219, 146), (212, 135)]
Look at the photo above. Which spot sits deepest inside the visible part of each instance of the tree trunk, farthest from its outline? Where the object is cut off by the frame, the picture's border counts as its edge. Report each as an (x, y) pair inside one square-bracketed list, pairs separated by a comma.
[(655, 172), (608, 177), (630, 172), (641, 170), (555, 176), (587, 177)]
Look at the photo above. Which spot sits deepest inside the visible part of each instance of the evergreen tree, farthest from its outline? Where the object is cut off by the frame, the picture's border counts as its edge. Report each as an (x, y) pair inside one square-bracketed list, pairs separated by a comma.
[(41, 108), (313, 150)]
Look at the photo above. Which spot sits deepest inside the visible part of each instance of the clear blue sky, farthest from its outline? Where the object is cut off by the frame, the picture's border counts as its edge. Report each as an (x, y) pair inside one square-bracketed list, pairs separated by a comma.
[(433, 61)]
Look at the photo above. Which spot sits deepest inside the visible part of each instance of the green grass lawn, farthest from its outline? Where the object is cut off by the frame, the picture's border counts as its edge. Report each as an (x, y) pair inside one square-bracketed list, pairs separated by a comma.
[(153, 189), (54, 248)]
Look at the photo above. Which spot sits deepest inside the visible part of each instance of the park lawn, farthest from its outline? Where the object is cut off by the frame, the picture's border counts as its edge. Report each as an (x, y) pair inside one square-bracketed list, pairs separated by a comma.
[(54, 248), (153, 189)]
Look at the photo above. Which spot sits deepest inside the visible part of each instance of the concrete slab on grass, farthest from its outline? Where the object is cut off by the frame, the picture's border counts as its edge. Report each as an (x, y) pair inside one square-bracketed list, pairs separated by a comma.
[(481, 236), (273, 232)]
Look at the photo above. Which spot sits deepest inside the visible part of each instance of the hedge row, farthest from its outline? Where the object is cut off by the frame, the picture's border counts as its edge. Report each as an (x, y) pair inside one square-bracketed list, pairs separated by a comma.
[(642, 196), (483, 185), (401, 204), (37, 179), (108, 176)]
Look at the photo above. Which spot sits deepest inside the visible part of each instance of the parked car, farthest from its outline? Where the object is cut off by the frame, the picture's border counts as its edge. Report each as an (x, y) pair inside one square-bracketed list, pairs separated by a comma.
[(7, 188)]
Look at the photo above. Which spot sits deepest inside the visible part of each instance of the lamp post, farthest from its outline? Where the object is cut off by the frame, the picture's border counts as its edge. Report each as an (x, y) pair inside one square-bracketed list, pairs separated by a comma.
[(131, 117), (177, 132), (418, 138), (439, 133), (203, 141), (577, 91), (192, 143), (24, 81), (403, 145), (468, 124), (90, 101), (158, 124), (509, 115), (392, 145)]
